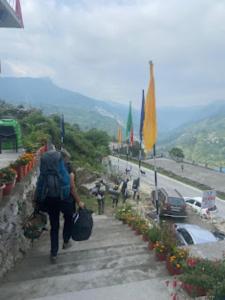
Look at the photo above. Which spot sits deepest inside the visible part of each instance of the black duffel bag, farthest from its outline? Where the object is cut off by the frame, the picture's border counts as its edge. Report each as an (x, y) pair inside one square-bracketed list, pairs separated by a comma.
[(82, 224)]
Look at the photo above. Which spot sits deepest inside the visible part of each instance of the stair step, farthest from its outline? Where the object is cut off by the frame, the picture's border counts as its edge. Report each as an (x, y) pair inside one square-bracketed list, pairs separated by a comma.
[(75, 262), (142, 290), (56, 285), (114, 263), (103, 241)]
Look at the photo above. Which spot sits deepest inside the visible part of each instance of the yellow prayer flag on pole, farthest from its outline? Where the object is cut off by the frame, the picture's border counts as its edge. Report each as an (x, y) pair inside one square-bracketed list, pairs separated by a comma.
[(119, 135), (150, 122)]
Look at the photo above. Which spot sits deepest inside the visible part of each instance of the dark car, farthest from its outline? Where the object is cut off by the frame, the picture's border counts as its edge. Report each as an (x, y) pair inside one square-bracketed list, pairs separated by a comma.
[(171, 203)]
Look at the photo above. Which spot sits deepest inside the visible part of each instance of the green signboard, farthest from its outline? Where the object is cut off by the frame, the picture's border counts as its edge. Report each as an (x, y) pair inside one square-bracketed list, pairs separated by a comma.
[(8, 128)]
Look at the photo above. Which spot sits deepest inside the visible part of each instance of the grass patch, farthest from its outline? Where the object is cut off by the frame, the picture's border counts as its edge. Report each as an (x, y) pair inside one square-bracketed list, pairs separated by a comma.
[(92, 203)]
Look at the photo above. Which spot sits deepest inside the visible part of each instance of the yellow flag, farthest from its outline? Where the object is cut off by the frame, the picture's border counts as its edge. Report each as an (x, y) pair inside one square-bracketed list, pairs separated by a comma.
[(119, 135), (150, 124)]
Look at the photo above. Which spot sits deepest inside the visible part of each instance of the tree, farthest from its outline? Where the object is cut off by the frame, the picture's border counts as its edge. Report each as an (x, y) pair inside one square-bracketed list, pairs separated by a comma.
[(176, 154)]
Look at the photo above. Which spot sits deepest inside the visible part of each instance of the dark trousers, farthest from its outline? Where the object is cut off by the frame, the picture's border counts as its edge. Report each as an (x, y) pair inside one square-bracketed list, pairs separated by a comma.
[(115, 201), (101, 206), (54, 207)]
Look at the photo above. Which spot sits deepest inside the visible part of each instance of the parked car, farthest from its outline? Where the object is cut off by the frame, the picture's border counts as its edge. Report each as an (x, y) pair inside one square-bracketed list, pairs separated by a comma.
[(196, 204), (171, 203), (190, 234)]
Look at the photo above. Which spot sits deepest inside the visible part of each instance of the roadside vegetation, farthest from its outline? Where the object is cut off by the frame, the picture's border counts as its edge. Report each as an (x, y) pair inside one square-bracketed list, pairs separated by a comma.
[(87, 148)]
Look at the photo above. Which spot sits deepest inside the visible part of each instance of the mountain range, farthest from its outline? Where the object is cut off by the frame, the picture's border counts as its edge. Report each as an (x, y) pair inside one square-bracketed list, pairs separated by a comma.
[(177, 126)]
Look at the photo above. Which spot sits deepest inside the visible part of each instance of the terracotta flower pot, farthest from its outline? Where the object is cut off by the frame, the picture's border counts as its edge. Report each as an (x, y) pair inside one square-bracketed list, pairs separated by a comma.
[(193, 290), (172, 269), (137, 232), (1, 191), (160, 256), (25, 170), (8, 188), (20, 173), (145, 238), (151, 245)]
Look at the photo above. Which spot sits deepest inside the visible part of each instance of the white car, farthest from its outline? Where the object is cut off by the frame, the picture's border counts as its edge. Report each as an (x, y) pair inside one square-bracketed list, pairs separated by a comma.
[(190, 234), (196, 204)]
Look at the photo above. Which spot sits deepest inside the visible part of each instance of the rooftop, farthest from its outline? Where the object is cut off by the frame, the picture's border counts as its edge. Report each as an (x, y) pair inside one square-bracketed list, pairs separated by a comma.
[(10, 17)]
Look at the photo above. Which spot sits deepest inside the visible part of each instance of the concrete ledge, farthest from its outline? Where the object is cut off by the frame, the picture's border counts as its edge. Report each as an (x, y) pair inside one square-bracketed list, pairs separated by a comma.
[(212, 251), (13, 211)]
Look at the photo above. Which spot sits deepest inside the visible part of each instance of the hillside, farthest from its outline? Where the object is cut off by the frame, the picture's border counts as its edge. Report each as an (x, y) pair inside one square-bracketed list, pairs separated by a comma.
[(89, 113), (43, 94), (203, 141)]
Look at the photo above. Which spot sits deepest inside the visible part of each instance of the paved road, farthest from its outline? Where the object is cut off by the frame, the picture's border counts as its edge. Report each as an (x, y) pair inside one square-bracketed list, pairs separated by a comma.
[(147, 180), (209, 177), (7, 157)]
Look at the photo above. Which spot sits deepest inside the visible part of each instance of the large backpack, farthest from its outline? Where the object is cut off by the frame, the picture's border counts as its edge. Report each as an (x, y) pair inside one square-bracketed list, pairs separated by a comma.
[(54, 179)]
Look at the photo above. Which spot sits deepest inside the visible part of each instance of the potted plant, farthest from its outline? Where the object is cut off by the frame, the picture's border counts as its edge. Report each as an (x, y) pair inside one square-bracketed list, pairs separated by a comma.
[(176, 260), (197, 285), (25, 159), (144, 231), (218, 292), (201, 277), (2, 186), (16, 165), (154, 235), (160, 251), (168, 237), (8, 177), (137, 224)]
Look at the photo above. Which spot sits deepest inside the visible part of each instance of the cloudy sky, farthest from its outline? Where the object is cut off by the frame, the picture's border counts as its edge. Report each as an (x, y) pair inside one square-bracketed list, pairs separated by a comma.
[(101, 48)]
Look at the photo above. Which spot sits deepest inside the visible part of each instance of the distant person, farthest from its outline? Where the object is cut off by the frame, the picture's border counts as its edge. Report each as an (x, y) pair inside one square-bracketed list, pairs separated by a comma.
[(135, 187), (182, 168), (100, 195), (115, 195), (124, 190)]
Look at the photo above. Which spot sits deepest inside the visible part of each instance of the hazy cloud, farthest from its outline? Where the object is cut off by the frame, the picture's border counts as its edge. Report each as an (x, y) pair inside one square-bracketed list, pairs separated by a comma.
[(101, 48)]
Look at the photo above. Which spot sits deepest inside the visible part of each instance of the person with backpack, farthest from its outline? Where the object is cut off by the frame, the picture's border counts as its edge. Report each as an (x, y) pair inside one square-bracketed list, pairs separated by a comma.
[(135, 188), (100, 195), (55, 193), (124, 190)]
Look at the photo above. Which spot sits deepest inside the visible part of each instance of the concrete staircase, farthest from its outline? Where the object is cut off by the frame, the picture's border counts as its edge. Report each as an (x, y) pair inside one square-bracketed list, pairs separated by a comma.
[(113, 264)]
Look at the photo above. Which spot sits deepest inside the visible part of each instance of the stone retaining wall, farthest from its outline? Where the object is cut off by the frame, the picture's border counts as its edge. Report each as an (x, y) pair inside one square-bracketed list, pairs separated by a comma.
[(13, 211)]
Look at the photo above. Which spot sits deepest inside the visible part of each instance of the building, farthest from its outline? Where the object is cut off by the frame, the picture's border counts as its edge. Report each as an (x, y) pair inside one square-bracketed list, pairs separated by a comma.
[(10, 17)]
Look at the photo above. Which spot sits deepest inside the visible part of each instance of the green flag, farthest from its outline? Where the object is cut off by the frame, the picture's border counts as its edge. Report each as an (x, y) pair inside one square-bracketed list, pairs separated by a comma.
[(129, 123)]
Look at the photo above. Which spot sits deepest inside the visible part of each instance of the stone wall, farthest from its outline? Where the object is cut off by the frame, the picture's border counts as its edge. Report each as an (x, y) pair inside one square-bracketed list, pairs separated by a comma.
[(13, 211)]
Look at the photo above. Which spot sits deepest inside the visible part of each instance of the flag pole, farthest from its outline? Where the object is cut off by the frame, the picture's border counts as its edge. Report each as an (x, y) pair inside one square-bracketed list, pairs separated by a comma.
[(155, 167), (127, 154), (141, 128), (156, 184), (62, 130)]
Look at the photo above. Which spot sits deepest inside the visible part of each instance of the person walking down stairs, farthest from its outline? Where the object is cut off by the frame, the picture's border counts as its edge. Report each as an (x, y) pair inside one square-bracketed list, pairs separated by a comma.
[(55, 193)]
